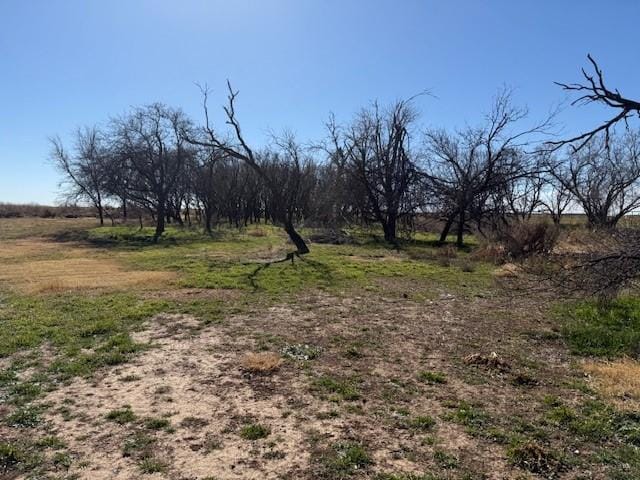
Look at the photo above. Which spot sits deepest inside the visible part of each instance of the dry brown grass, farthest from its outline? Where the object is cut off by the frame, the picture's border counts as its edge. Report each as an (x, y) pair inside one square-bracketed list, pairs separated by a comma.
[(618, 380), (263, 362), (41, 276)]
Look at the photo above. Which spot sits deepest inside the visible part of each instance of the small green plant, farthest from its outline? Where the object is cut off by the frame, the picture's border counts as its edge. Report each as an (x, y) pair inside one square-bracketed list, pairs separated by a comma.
[(157, 423), (343, 388), (152, 465), (432, 377), (344, 459), (138, 445), (254, 431), (25, 417), (468, 415), (121, 416), (423, 423), (445, 460)]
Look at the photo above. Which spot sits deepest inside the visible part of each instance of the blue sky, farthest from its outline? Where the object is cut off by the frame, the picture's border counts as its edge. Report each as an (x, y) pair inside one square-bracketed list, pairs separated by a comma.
[(64, 64)]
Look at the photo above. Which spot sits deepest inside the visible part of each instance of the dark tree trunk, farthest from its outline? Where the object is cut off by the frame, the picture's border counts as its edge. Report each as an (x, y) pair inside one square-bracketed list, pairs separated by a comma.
[(445, 230), (389, 228), (298, 241), (160, 219), (101, 215), (460, 235)]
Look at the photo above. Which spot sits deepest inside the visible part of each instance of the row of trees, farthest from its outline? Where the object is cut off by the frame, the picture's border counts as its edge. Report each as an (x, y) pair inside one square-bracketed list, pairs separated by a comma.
[(377, 168)]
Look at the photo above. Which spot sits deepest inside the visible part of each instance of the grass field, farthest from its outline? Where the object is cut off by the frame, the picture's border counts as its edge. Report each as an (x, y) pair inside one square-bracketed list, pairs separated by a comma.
[(211, 358)]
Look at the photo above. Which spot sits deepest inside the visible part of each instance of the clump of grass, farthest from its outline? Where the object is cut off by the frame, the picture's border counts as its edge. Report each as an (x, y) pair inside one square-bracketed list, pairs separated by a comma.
[(138, 445), (537, 459), (445, 460), (261, 363), (121, 416), (468, 415), (423, 422), (344, 389), (344, 460), (157, 423), (152, 465), (50, 441), (28, 416), (194, 423), (254, 431), (431, 377)]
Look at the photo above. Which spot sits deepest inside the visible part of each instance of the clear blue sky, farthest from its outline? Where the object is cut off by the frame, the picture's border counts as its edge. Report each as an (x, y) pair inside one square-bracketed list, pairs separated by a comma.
[(69, 63)]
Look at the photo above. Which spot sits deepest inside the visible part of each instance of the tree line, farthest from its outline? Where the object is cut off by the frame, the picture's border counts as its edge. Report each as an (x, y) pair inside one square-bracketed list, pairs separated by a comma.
[(378, 168)]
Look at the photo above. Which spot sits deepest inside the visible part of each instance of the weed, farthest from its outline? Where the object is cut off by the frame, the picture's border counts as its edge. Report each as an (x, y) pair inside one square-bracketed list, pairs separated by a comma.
[(26, 417), (121, 416), (254, 431), (343, 388), (427, 376), (445, 460), (152, 465), (157, 423)]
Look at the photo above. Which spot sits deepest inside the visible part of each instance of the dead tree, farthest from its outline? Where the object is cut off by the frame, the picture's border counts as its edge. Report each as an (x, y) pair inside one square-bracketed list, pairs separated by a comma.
[(469, 174), (603, 177), (595, 90), (239, 149), (375, 151), (85, 171), (151, 142)]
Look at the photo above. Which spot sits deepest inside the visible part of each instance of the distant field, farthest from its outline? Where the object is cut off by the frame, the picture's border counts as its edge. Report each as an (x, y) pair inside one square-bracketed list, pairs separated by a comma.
[(214, 358)]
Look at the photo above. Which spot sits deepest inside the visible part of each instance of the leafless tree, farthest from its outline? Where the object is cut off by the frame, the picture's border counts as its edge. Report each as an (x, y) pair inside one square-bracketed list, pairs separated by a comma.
[(375, 149), (555, 198), (85, 171), (239, 149), (595, 90), (603, 177), (150, 142), (469, 173)]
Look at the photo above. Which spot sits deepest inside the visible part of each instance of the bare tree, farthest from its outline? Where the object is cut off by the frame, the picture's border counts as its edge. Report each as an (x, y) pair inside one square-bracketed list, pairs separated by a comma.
[(150, 141), (595, 90), (375, 150), (470, 173), (240, 150), (555, 199), (85, 171), (603, 177)]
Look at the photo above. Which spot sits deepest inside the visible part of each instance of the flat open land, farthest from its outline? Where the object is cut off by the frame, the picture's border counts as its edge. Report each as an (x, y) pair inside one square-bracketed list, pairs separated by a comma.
[(211, 358)]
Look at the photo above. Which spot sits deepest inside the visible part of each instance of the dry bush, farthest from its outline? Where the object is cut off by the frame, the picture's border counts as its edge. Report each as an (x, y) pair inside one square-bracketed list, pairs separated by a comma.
[(263, 362), (491, 361), (518, 241), (490, 252)]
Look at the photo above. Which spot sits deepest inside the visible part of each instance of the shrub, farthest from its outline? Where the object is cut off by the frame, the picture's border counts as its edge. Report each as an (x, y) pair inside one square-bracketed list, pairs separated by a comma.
[(523, 239)]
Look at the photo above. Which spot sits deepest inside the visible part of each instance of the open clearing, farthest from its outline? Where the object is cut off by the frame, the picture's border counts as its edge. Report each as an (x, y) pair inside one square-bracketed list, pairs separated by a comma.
[(207, 358)]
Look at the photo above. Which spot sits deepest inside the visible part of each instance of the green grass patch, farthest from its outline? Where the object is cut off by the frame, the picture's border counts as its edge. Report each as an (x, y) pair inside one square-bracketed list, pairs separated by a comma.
[(343, 389), (254, 431), (606, 330), (121, 416), (432, 377)]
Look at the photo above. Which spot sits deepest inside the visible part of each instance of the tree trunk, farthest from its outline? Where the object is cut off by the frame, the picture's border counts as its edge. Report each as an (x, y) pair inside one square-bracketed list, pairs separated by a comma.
[(389, 228), (460, 236), (160, 218), (298, 241), (100, 215), (445, 230)]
